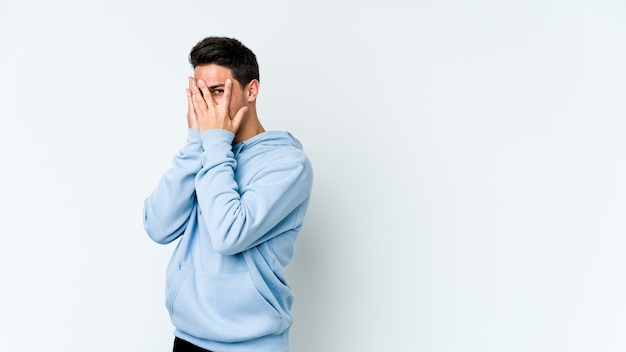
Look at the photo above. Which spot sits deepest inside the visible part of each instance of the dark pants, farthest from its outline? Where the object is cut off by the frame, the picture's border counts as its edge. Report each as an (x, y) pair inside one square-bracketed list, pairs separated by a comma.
[(181, 345)]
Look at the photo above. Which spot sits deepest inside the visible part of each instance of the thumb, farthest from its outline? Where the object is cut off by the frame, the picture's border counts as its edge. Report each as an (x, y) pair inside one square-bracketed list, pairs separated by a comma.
[(236, 121)]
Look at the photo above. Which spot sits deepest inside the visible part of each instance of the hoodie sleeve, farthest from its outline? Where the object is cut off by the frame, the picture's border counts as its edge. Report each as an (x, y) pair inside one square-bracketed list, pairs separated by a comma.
[(168, 209), (239, 217)]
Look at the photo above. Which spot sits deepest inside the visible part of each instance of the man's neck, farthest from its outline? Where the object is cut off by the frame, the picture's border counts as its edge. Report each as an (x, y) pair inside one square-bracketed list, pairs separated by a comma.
[(249, 129)]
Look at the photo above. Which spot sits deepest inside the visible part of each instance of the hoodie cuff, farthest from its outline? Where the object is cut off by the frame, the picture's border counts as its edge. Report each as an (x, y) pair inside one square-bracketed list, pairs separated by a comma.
[(212, 139), (193, 135)]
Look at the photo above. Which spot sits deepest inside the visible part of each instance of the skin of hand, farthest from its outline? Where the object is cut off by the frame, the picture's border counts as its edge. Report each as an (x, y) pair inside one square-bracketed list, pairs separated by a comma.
[(192, 120), (204, 113)]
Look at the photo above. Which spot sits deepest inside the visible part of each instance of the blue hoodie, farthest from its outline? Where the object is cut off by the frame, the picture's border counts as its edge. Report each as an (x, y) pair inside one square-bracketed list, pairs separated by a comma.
[(237, 210)]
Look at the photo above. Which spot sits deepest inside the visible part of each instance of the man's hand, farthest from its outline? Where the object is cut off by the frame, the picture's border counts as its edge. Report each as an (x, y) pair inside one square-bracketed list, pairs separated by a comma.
[(205, 114), (192, 119)]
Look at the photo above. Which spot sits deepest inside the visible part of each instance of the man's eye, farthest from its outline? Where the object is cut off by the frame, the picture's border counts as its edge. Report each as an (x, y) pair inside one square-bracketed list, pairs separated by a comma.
[(218, 91)]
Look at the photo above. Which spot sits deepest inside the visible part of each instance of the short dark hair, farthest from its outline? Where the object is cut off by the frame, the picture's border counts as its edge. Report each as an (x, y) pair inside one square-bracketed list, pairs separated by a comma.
[(229, 53)]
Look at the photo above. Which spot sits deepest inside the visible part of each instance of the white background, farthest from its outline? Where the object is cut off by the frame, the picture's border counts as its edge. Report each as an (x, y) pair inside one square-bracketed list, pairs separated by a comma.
[(469, 160)]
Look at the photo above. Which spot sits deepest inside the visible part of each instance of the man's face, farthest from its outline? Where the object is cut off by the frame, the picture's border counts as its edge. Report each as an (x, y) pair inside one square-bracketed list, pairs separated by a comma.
[(215, 78)]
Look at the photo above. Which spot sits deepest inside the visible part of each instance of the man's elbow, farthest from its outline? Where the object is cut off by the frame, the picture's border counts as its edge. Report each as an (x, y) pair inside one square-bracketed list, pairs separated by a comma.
[(160, 234), (227, 248)]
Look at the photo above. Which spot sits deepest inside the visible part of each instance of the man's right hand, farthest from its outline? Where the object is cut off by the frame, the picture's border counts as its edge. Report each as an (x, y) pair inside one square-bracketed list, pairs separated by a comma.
[(192, 119)]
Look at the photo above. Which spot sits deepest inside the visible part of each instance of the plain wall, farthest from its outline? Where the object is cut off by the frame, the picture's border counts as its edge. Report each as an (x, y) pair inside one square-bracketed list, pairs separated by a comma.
[(469, 169)]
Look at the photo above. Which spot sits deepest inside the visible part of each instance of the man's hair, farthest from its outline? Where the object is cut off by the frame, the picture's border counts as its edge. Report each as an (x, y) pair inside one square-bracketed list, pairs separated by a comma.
[(229, 53)]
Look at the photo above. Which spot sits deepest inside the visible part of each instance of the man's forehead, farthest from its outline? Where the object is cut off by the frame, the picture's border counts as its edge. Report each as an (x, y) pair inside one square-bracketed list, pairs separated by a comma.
[(212, 72)]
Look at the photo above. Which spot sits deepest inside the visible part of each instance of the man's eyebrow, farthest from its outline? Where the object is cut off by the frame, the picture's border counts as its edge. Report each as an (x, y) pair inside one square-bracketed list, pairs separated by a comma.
[(217, 86)]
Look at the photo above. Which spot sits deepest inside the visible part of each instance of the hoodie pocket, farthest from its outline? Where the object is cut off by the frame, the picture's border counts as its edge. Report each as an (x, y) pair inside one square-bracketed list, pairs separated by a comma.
[(174, 287), (220, 307)]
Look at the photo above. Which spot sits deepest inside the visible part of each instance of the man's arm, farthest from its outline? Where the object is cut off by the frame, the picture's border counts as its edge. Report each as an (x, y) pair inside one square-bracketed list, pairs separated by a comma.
[(241, 217), (168, 208)]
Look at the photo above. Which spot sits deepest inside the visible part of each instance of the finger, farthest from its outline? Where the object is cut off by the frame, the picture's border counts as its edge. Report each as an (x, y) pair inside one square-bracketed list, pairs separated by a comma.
[(192, 119), (191, 82), (206, 93), (190, 110), (196, 97), (228, 87), (193, 87), (236, 121)]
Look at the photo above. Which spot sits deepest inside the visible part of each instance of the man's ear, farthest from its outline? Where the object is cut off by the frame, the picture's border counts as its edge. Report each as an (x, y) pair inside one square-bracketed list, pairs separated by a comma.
[(252, 91)]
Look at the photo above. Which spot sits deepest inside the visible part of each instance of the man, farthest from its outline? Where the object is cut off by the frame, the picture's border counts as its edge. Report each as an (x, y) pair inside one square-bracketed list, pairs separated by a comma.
[(235, 197)]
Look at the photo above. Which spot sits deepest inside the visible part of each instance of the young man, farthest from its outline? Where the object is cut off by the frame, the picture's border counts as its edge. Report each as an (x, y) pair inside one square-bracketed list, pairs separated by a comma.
[(235, 197)]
